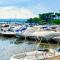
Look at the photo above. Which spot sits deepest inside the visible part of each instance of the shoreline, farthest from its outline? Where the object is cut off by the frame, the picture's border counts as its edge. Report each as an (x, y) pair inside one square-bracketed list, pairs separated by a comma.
[(54, 58)]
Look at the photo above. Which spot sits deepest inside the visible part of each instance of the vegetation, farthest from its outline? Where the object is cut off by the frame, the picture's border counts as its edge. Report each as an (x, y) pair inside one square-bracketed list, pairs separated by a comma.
[(46, 18)]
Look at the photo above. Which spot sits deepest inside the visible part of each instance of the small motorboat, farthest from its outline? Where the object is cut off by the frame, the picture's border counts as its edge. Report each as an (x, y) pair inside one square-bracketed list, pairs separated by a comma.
[(8, 33), (36, 55)]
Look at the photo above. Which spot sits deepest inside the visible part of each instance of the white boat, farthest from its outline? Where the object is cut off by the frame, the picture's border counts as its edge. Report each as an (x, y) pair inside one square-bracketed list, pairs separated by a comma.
[(8, 33), (36, 32), (28, 32), (11, 31), (36, 55), (45, 34)]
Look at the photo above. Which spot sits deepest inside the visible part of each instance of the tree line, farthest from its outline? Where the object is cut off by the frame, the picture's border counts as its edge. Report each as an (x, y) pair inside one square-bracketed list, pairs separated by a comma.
[(46, 18)]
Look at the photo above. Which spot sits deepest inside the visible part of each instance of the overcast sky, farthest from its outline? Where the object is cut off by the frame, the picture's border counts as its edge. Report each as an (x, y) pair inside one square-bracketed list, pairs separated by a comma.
[(27, 8)]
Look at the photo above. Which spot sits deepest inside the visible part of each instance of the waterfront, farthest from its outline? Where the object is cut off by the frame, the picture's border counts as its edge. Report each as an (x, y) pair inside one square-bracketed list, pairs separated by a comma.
[(11, 46)]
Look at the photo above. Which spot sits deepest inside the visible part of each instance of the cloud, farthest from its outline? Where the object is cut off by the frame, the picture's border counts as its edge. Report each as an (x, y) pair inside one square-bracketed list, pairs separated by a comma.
[(38, 6), (41, 8), (13, 12)]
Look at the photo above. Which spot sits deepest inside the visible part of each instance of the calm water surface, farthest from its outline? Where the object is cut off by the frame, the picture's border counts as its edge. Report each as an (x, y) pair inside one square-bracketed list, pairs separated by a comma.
[(11, 46)]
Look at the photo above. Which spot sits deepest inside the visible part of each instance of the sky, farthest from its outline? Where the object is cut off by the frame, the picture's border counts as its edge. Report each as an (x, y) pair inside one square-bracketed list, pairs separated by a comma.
[(27, 8)]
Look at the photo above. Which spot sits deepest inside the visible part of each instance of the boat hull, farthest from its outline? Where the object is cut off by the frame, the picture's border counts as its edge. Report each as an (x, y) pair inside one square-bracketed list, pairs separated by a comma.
[(8, 34), (35, 55)]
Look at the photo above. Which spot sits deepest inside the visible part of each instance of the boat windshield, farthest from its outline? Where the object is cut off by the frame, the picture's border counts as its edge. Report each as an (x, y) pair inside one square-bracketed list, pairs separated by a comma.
[(10, 30)]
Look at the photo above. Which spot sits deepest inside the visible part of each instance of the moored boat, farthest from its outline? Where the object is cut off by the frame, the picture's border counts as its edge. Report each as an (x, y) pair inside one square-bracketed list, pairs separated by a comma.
[(37, 55)]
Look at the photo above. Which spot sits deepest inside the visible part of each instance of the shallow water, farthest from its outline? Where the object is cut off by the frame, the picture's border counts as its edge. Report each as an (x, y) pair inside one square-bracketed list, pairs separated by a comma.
[(11, 46)]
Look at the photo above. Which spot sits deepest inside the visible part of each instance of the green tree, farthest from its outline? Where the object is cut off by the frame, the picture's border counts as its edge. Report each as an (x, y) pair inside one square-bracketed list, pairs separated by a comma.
[(57, 15), (46, 18), (30, 20)]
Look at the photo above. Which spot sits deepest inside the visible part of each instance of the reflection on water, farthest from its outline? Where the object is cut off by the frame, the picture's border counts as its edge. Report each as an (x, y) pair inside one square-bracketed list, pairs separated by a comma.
[(11, 46)]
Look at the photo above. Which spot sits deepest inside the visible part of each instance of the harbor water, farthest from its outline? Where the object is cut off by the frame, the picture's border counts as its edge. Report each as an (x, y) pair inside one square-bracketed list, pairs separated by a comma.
[(10, 21), (11, 46)]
